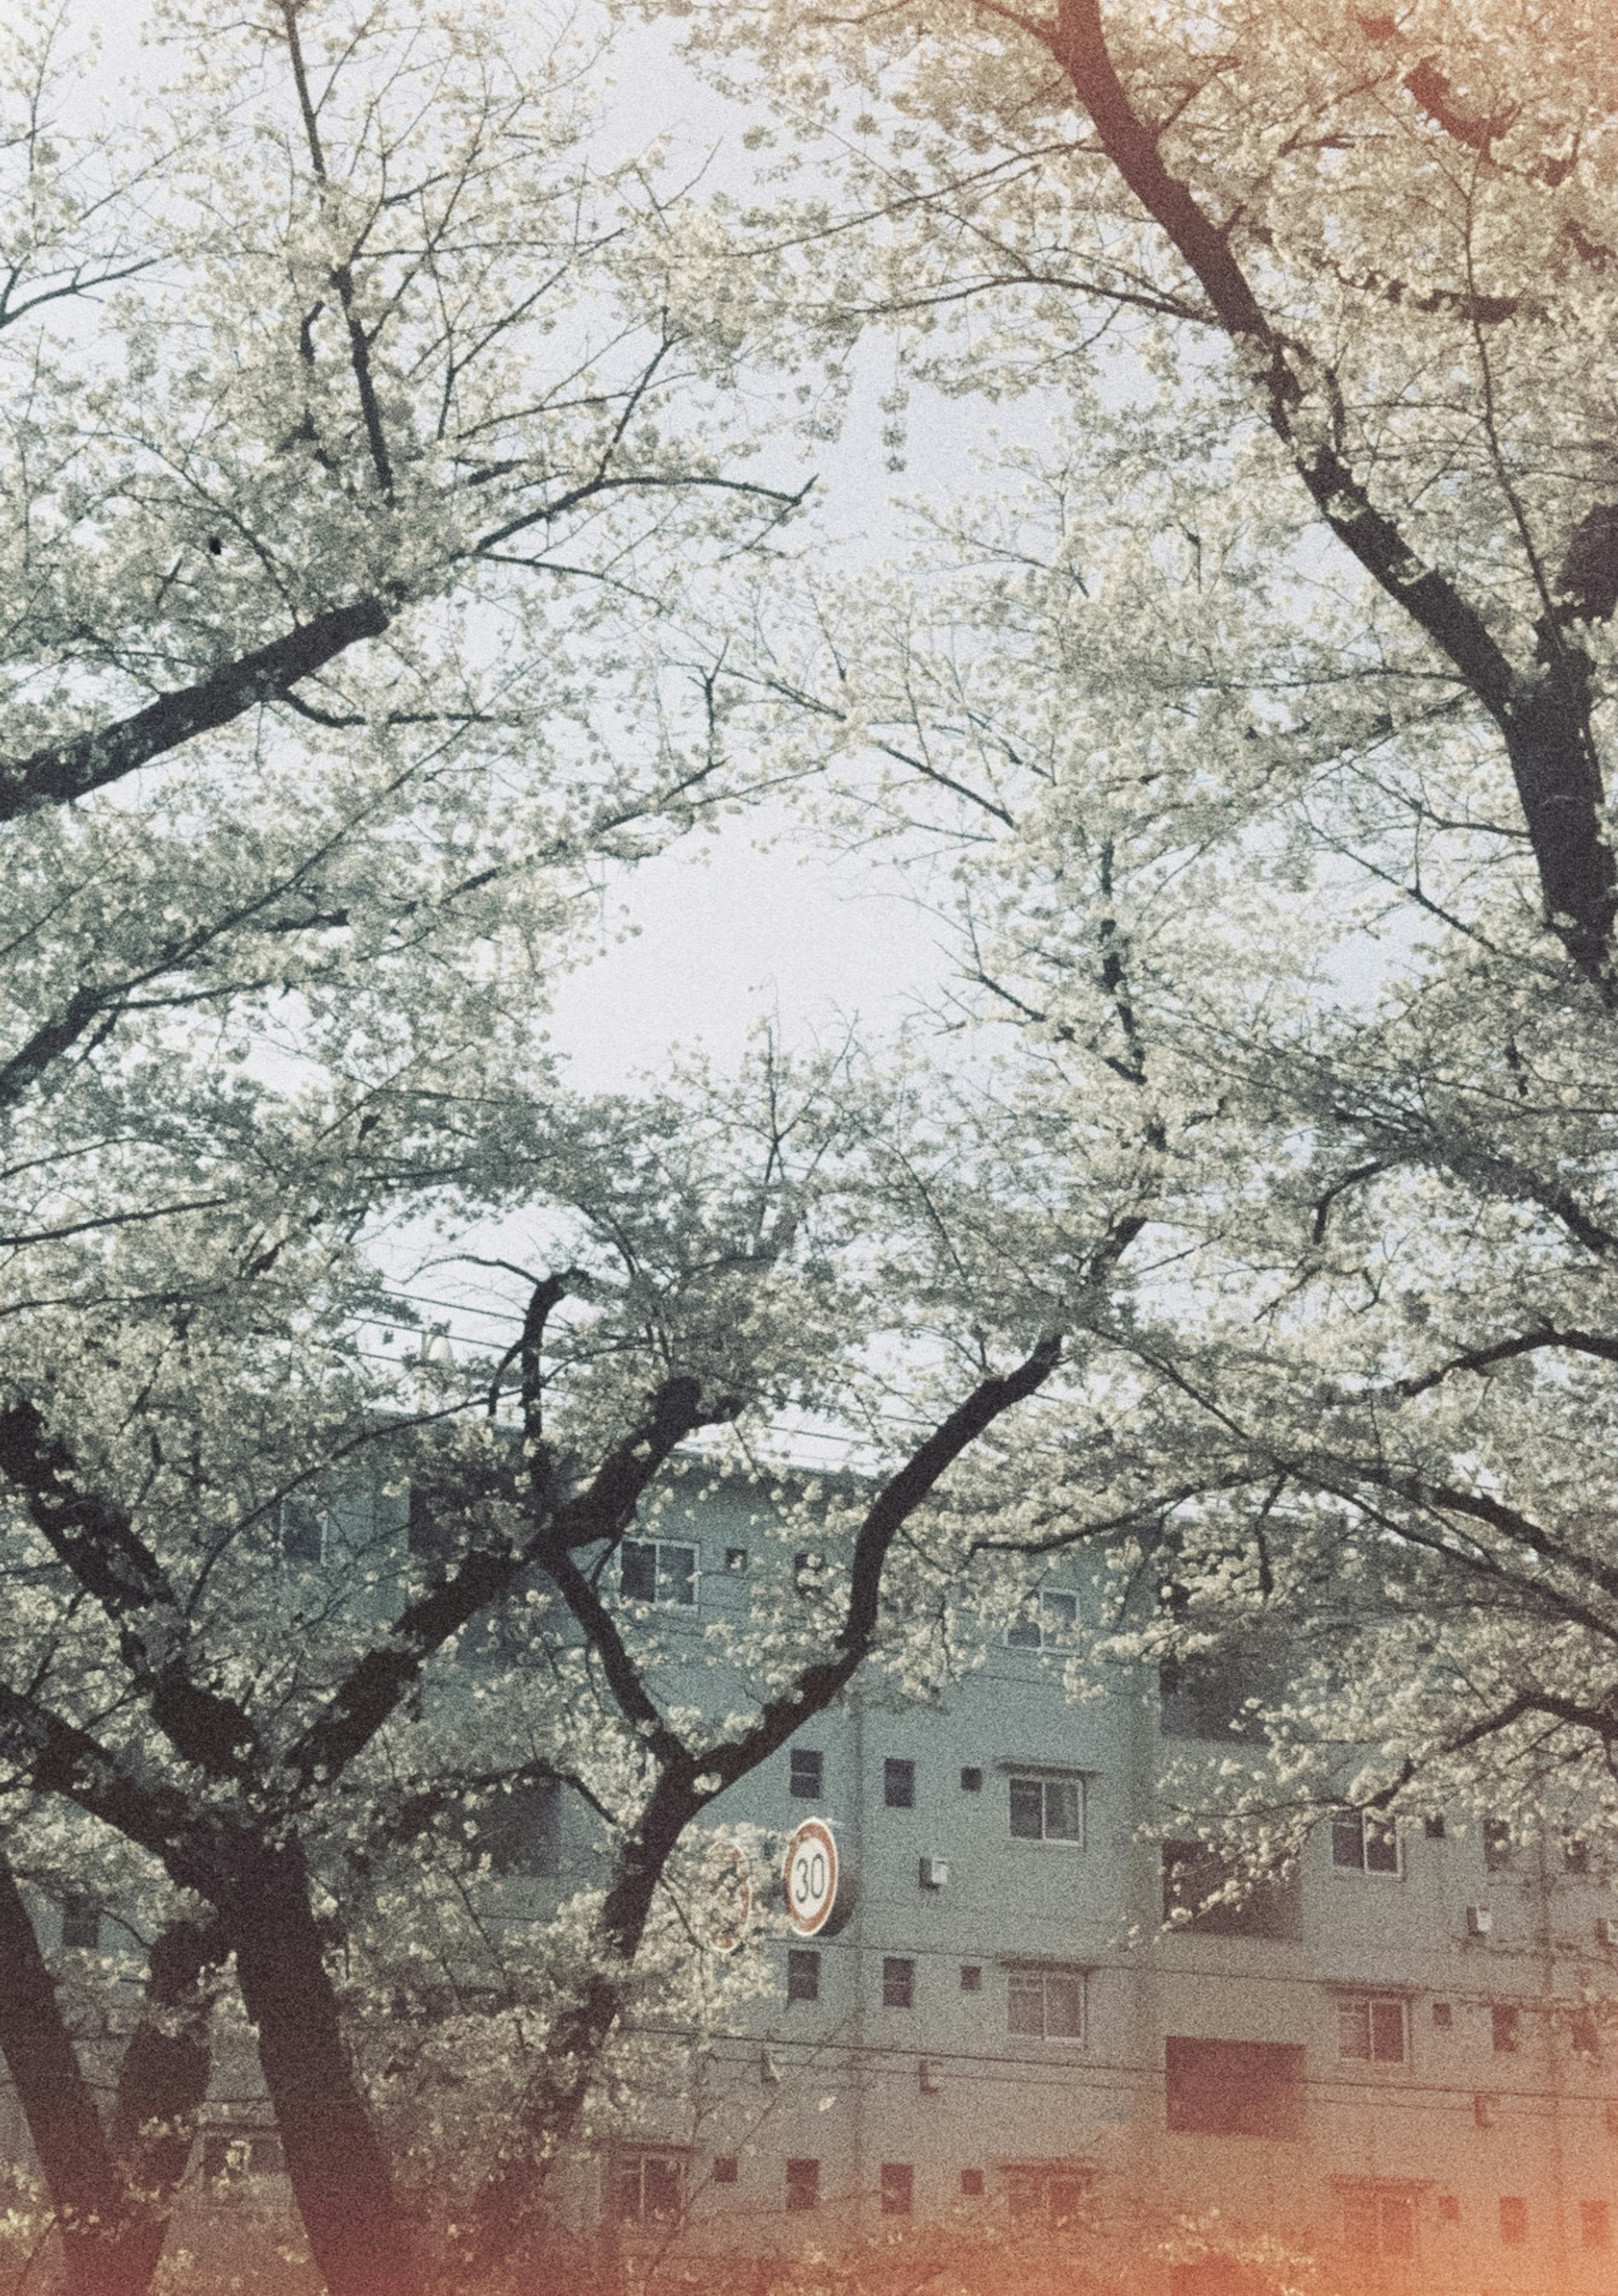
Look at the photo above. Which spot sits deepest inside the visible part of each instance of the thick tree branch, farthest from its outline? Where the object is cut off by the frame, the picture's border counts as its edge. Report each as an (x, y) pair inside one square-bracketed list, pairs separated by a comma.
[(66, 770), (99, 1545), (1545, 718)]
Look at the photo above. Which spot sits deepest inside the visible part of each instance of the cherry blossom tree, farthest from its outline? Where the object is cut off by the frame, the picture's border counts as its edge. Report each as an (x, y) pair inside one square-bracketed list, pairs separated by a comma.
[(1260, 716)]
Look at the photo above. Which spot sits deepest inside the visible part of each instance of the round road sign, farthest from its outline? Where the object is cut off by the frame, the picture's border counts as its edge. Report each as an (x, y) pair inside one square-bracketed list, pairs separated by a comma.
[(810, 1876)]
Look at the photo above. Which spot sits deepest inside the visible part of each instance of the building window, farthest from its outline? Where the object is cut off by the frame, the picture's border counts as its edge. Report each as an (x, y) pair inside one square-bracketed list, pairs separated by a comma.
[(1235, 2088), (1376, 2223), (1195, 1882), (1047, 1625), (898, 1784), (1037, 2193), (1048, 1810), (1443, 2014), (1216, 1693), (808, 1568), (1433, 1825), (898, 2187), (230, 2155), (1581, 2031), (898, 1984), (726, 2169), (657, 1570), (802, 2185), (1365, 1841), (1506, 2024), (1575, 1853), (1371, 2028), (972, 1976), (1594, 2223), (735, 1559), (808, 1770), (1497, 1845), (1448, 2208), (80, 1923), (303, 1529), (520, 1827), (646, 2187), (1513, 2223), (972, 2184), (802, 1974), (1045, 2003)]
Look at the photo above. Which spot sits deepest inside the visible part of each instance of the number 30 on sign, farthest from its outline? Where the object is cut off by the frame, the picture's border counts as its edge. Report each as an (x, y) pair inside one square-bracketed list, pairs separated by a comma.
[(812, 1878)]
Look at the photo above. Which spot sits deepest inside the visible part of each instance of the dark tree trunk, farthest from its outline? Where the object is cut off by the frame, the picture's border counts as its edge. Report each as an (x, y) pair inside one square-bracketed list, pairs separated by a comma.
[(339, 2175), (56, 2100)]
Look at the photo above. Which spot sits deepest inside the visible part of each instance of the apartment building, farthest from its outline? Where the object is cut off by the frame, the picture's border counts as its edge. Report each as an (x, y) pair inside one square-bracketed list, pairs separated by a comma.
[(1035, 2014), (1039, 2011)]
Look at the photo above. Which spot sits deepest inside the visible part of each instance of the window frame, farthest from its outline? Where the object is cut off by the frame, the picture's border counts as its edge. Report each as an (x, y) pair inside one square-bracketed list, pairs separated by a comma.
[(802, 2186), (1387, 2206), (1048, 1779), (802, 1973), (898, 1781), (1371, 2001), (1372, 1827), (635, 2159), (898, 1976), (1035, 2191), (1024, 1978), (897, 2188), (659, 1599), (813, 1762), (1028, 1632)]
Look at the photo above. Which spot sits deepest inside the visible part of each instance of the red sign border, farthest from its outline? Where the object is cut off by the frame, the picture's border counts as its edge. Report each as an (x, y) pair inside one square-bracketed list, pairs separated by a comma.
[(816, 1829)]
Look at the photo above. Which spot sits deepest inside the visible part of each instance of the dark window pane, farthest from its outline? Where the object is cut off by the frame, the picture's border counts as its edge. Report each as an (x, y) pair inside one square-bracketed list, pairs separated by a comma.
[(638, 1570), (1065, 2195), (675, 1574), (1024, 1635), (736, 1558), (807, 1770), (898, 1784), (1388, 2032), (802, 1975), (1025, 2002), (1442, 2014), (1354, 2030), (1061, 1809), (1060, 1616), (1513, 2223), (1194, 1877), (1235, 2088), (971, 1781), (972, 1976), (1497, 1844), (726, 2168), (971, 2183), (1027, 1809), (803, 2183), (80, 1923), (1347, 1842), (1398, 2225), (661, 2188), (898, 2185), (1381, 1845), (1593, 2223), (1064, 2008), (302, 1539), (519, 1828), (1505, 2021), (898, 1984)]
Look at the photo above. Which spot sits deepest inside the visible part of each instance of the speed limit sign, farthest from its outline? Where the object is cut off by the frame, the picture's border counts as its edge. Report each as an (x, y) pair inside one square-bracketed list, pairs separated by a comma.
[(811, 1877)]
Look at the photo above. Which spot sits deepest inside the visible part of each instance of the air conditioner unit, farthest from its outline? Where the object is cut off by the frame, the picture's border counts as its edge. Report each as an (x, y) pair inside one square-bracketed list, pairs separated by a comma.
[(935, 1873), (1607, 1929), (1480, 1920)]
